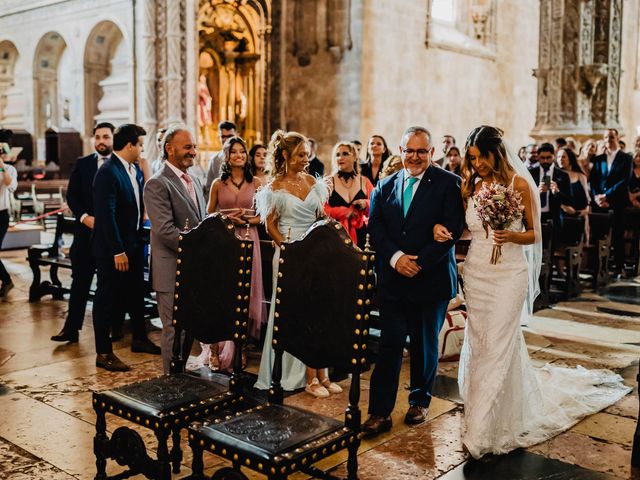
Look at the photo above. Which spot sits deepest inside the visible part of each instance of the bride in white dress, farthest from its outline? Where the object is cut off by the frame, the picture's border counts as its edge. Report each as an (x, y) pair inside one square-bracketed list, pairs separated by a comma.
[(507, 403)]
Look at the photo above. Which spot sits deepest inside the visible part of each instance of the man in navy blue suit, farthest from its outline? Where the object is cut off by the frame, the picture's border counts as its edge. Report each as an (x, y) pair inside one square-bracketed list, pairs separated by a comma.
[(609, 180), (118, 247), (416, 275), (80, 201)]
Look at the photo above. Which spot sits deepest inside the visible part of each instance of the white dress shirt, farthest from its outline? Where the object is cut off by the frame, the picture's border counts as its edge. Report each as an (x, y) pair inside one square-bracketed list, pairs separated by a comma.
[(7, 190), (611, 156), (396, 256)]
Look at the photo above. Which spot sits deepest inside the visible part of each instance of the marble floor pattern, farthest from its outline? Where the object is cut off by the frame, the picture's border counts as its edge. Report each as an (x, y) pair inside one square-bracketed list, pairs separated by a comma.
[(47, 422)]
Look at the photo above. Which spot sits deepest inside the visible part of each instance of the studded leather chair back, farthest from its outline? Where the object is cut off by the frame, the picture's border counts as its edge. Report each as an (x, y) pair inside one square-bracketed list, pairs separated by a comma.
[(212, 282), (322, 298)]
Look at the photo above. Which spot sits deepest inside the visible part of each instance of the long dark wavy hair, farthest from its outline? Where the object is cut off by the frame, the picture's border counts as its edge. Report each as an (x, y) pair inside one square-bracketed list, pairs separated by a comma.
[(386, 154), (574, 166), (488, 140), (225, 168), (252, 157)]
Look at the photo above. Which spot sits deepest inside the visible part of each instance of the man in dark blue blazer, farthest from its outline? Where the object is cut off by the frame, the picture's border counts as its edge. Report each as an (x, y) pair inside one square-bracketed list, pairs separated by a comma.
[(609, 180), (118, 247), (417, 276), (80, 201)]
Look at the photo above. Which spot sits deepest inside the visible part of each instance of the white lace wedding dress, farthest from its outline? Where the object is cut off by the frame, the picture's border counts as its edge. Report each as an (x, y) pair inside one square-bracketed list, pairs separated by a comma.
[(507, 403)]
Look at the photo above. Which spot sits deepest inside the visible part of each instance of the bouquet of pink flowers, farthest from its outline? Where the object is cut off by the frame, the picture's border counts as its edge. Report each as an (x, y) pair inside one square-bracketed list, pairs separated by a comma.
[(497, 208)]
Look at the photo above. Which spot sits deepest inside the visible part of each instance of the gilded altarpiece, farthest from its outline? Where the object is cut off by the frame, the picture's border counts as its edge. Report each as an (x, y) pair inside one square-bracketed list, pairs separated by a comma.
[(578, 68), (233, 82)]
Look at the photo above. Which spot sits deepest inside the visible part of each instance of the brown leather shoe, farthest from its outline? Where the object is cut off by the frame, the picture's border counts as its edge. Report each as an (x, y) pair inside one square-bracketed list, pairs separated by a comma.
[(376, 425), (416, 415), (110, 362)]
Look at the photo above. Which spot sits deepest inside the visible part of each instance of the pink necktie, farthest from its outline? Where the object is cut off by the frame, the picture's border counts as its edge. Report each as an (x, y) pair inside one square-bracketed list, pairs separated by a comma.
[(191, 190)]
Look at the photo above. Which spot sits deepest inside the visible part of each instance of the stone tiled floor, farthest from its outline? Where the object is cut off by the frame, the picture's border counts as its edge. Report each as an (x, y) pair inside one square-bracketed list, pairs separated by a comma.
[(47, 423)]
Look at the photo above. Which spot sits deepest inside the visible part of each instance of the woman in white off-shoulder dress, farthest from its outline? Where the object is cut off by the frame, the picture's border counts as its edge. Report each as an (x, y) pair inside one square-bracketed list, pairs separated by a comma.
[(507, 403), (289, 205)]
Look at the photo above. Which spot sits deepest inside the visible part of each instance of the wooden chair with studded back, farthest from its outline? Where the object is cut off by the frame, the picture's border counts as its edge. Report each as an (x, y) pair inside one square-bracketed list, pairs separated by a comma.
[(211, 304), (321, 317)]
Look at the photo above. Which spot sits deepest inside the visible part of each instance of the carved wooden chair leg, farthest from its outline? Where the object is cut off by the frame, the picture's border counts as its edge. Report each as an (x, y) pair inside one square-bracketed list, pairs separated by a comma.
[(352, 462), (34, 289), (164, 467), (100, 442), (176, 451), (197, 465)]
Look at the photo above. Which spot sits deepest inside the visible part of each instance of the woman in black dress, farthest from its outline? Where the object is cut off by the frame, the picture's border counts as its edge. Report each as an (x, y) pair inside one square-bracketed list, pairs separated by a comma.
[(568, 162), (377, 153)]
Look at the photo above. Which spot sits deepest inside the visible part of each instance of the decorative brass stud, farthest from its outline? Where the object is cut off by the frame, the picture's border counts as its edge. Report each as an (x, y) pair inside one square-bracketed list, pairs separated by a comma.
[(178, 273), (354, 361), (174, 321), (242, 259), (358, 316), (224, 451), (177, 284), (273, 471), (179, 249), (362, 272), (355, 346), (235, 456), (279, 290), (276, 314), (275, 341), (201, 443), (240, 271), (179, 261), (175, 308), (180, 237), (361, 287), (242, 245), (275, 328), (247, 462), (175, 296), (260, 466), (359, 301), (279, 274), (238, 310), (357, 331), (239, 297)]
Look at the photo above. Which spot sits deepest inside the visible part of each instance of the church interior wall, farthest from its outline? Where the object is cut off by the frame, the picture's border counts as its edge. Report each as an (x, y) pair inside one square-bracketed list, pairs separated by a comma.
[(448, 90), (322, 94), (73, 21)]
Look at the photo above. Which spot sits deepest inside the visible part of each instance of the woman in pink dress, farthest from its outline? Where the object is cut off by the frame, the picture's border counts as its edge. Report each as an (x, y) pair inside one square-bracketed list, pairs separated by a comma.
[(233, 194)]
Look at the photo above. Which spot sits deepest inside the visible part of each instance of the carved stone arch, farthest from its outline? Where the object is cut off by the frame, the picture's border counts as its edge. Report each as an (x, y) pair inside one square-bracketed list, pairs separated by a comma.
[(11, 94), (234, 54), (107, 77), (46, 59)]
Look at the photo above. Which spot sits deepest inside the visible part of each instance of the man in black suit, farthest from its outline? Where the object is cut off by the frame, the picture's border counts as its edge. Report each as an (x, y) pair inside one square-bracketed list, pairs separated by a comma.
[(80, 201), (554, 185), (316, 167), (609, 180), (417, 276), (118, 247)]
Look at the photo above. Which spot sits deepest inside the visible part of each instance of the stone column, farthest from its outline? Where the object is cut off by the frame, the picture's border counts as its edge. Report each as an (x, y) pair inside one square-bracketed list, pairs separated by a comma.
[(147, 68), (578, 67), (174, 63)]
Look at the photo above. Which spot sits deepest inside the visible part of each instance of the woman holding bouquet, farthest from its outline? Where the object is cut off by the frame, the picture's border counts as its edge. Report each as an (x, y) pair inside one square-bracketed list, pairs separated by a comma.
[(508, 403)]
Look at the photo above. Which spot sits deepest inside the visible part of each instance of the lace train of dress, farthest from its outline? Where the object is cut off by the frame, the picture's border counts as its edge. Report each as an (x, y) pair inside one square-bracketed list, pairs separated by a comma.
[(507, 403)]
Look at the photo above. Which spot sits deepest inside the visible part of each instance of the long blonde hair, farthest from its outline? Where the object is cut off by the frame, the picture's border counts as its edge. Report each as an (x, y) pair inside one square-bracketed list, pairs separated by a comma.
[(281, 142), (352, 150)]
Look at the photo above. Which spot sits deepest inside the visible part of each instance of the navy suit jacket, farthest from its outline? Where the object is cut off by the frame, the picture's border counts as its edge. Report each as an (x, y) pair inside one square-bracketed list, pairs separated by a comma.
[(118, 225), (436, 200), (615, 183), (80, 187)]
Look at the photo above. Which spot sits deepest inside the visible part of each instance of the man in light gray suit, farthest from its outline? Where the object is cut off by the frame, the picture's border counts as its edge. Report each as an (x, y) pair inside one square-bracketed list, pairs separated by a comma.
[(173, 200)]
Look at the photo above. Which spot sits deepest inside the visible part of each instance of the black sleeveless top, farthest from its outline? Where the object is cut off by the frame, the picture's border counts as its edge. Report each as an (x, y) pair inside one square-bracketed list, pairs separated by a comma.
[(336, 200)]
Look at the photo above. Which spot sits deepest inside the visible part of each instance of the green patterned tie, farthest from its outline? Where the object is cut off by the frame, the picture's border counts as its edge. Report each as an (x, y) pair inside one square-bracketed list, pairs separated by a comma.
[(407, 195)]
